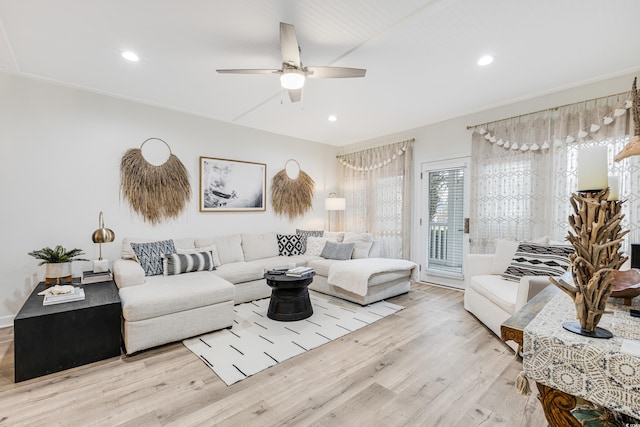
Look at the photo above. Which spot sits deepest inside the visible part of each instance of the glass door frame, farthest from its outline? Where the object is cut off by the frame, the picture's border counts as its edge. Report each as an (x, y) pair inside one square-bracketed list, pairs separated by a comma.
[(431, 276)]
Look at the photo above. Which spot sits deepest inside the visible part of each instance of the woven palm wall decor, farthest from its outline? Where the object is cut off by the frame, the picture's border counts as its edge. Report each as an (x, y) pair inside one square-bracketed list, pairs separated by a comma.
[(292, 197), (155, 192)]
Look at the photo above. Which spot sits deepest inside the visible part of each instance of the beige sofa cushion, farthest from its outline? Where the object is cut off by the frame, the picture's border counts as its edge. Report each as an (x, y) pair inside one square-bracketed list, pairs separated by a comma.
[(162, 295), (229, 247), (280, 262), (259, 246), (321, 266), (499, 291), (240, 272)]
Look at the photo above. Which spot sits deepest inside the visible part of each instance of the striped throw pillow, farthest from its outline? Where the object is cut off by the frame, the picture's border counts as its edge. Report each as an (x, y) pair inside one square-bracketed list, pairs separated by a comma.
[(187, 263), (532, 259)]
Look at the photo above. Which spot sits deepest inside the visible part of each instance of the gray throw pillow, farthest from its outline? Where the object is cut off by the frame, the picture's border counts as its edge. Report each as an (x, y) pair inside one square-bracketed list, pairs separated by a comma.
[(339, 251)]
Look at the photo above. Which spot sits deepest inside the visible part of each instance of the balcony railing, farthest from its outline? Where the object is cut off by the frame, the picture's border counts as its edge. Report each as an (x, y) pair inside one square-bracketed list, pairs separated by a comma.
[(438, 242)]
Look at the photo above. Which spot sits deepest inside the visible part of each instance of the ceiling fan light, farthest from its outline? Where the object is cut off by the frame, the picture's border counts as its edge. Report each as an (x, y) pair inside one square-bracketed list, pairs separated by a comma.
[(292, 79), (485, 60)]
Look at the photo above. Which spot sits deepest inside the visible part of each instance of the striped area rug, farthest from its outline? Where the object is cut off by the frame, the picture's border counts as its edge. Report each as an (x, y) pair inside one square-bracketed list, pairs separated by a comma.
[(256, 342)]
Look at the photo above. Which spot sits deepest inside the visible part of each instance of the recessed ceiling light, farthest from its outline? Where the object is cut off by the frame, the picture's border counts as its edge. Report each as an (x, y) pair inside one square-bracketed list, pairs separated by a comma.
[(130, 56), (485, 60), (332, 118)]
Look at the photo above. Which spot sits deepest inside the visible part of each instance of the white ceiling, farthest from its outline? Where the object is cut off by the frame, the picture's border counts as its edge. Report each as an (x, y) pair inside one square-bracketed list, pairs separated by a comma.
[(420, 55)]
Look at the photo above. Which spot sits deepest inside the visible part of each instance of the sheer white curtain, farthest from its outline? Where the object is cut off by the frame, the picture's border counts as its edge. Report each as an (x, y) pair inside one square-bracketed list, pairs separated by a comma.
[(570, 123), (524, 170), (508, 197), (376, 184)]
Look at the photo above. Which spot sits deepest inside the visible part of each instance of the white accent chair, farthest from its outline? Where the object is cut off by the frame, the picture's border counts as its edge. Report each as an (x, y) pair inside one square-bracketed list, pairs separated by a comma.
[(491, 298)]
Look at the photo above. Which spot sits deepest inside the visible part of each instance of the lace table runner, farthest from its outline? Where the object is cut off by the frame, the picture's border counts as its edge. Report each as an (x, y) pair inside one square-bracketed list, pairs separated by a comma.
[(594, 369)]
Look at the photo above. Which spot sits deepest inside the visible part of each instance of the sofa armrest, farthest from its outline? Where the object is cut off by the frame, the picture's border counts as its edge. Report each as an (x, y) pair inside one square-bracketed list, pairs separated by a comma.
[(529, 287), (127, 272)]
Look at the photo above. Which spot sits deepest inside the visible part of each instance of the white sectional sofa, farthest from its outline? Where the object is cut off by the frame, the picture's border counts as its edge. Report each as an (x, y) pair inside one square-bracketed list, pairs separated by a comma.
[(159, 309)]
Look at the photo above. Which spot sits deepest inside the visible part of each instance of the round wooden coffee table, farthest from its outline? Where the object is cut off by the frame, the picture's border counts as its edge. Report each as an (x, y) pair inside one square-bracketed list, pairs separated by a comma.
[(289, 297)]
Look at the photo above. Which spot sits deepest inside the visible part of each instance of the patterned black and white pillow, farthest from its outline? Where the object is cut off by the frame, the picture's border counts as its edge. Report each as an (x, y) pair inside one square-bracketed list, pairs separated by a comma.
[(149, 255), (532, 259), (307, 233), (289, 244), (187, 263)]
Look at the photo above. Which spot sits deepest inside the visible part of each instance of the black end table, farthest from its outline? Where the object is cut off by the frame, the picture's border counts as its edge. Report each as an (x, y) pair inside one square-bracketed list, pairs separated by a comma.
[(289, 297), (56, 337)]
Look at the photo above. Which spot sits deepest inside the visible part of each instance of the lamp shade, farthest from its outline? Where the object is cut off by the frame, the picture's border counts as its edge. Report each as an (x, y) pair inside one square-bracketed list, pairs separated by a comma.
[(335, 203), (292, 79), (102, 234)]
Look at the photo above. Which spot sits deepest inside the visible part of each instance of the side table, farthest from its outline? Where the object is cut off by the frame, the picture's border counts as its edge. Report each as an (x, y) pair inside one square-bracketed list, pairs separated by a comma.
[(556, 404), (513, 328), (289, 297), (56, 337)]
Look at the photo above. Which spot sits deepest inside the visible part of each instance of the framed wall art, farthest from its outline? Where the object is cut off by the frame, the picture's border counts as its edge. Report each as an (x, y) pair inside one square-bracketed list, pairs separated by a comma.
[(232, 185)]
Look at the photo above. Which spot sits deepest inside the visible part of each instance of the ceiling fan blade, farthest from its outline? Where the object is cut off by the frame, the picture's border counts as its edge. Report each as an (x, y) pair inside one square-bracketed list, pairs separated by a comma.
[(248, 71), (289, 45), (334, 72), (295, 95)]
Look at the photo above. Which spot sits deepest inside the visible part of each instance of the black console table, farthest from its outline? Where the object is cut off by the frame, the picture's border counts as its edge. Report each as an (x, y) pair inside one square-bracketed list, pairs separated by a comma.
[(56, 337)]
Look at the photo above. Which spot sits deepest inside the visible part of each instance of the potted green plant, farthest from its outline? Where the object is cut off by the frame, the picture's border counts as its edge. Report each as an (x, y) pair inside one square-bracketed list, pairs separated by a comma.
[(57, 262)]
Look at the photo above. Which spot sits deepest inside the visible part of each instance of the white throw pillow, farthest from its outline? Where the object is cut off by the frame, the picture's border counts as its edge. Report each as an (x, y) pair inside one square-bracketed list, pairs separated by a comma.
[(363, 243), (338, 236), (315, 245)]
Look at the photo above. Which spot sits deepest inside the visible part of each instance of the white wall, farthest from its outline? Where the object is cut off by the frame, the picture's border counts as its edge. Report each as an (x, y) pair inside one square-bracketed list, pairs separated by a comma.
[(451, 139), (60, 151)]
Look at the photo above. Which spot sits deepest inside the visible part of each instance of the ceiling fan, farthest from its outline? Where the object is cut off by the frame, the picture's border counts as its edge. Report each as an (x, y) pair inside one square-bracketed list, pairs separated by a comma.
[(293, 74)]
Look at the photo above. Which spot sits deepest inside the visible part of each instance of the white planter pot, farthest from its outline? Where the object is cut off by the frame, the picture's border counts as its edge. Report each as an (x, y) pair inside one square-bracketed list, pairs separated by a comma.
[(56, 271)]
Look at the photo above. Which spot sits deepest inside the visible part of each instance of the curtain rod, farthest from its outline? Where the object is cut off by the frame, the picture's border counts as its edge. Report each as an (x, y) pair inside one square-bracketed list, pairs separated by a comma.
[(547, 109), (377, 146)]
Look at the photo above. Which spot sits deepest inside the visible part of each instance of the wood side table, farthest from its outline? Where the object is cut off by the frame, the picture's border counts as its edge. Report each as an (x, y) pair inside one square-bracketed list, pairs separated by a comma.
[(56, 337), (557, 405), (513, 328)]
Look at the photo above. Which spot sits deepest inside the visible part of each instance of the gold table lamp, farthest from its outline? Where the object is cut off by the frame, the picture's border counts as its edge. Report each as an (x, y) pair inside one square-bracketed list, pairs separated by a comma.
[(100, 236)]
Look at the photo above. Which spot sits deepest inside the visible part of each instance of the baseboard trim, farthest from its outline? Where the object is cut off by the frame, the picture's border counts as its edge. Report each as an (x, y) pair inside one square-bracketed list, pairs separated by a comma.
[(6, 321)]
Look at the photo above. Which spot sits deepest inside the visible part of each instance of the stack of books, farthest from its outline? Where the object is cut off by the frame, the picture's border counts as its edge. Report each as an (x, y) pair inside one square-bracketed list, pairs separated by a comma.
[(76, 295), (300, 272), (91, 277)]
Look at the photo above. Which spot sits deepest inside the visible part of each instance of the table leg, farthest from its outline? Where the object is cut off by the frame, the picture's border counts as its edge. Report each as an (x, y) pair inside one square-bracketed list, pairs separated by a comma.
[(557, 406)]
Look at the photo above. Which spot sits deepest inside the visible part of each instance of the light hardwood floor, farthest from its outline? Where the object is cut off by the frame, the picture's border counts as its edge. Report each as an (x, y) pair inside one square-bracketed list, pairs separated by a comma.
[(431, 364)]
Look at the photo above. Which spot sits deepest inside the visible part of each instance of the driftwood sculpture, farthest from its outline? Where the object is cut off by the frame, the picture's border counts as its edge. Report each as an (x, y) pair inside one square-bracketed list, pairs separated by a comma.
[(597, 239), (632, 148)]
